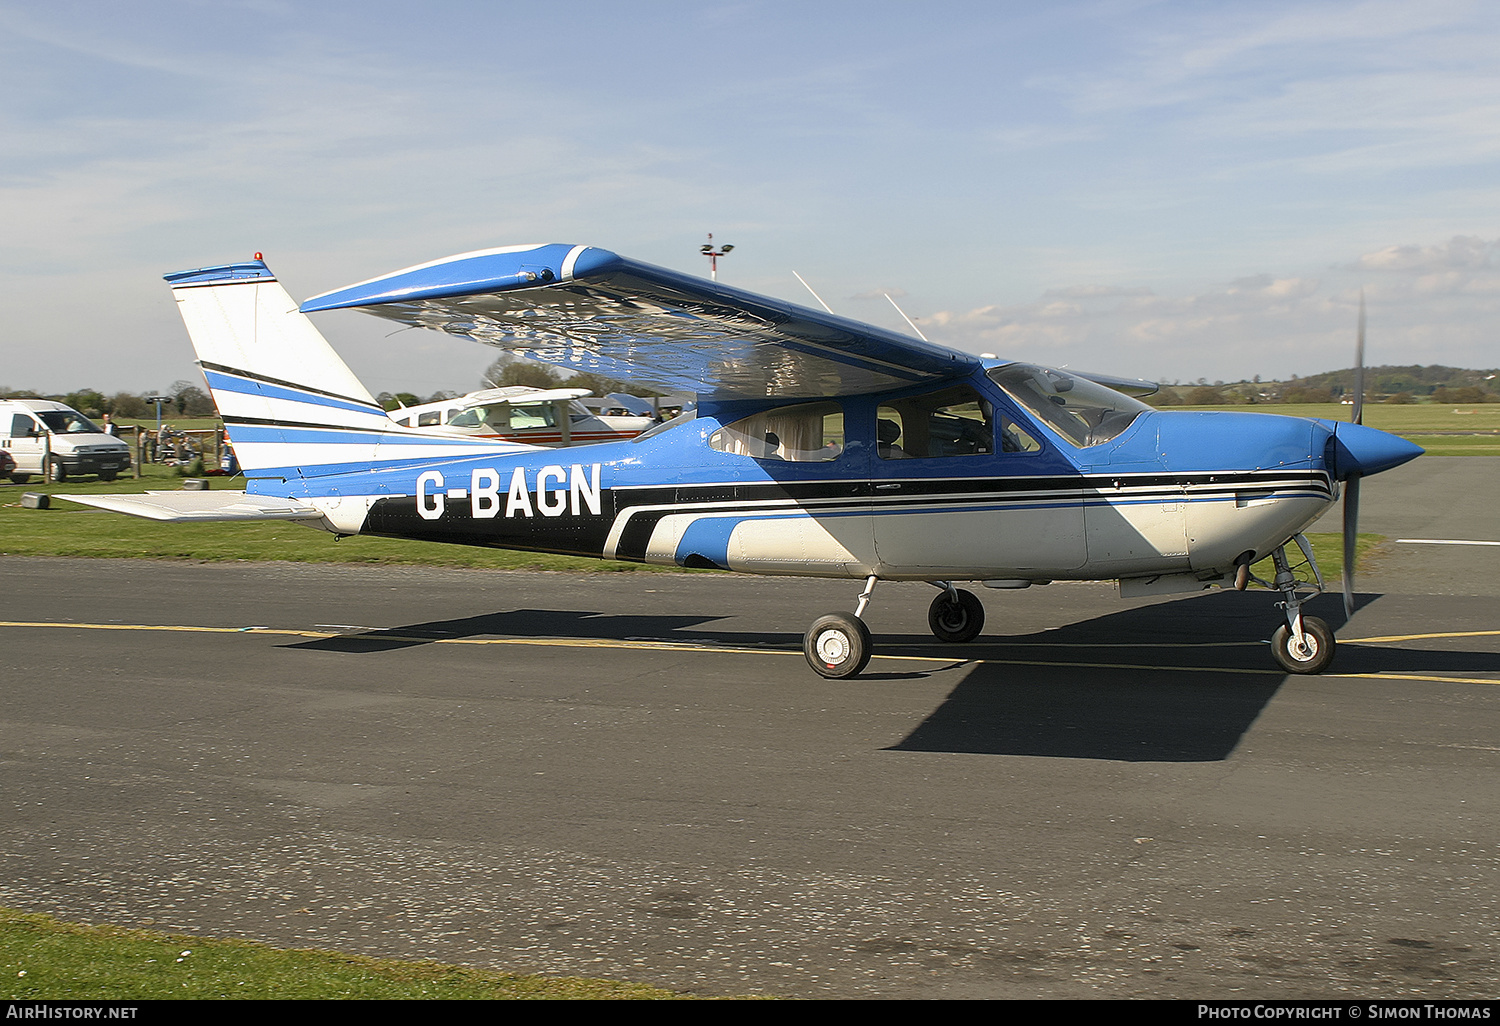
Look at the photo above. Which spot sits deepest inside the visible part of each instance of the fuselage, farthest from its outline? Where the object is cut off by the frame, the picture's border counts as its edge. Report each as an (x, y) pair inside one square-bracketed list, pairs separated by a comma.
[(1007, 475)]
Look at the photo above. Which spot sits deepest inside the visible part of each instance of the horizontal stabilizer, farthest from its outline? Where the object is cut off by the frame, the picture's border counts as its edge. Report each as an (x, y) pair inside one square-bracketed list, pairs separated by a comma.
[(183, 507)]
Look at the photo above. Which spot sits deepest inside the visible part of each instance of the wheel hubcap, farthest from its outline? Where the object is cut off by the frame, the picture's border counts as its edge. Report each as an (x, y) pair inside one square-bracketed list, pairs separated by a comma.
[(833, 647), (1303, 651)]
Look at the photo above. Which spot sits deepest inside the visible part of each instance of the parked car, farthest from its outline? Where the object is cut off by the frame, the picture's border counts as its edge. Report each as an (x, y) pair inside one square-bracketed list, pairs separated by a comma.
[(44, 437)]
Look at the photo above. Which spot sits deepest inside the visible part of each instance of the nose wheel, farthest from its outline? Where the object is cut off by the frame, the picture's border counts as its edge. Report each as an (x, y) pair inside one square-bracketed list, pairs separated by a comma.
[(1304, 644), (1310, 653)]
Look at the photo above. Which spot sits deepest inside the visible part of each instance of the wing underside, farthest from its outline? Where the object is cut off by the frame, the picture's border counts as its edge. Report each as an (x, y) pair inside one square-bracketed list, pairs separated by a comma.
[(587, 309)]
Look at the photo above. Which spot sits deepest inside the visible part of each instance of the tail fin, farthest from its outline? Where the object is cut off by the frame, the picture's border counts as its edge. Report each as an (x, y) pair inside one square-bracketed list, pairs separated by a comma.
[(290, 405)]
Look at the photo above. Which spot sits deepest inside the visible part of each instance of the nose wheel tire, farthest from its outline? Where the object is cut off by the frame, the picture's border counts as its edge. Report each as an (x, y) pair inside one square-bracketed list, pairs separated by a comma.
[(837, 645), (957, 620), (1311, 656)]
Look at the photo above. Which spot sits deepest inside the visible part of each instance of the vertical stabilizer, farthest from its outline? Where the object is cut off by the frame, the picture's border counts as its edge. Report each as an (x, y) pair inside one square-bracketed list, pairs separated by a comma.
[(289, 403)]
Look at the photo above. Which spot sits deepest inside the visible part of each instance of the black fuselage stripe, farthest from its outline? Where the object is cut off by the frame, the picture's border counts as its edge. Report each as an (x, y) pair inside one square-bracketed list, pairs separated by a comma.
[(251, 376)]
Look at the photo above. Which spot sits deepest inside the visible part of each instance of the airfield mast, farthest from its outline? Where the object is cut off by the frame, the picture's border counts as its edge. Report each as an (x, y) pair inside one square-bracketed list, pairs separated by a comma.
[(713, 256)]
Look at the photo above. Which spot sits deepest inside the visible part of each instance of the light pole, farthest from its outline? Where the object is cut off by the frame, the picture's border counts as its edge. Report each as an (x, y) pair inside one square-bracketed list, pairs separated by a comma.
[(713, 256)]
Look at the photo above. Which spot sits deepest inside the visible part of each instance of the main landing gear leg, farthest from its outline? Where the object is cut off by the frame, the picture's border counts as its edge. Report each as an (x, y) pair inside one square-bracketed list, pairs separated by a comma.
[(1305, 643), (838, 645)]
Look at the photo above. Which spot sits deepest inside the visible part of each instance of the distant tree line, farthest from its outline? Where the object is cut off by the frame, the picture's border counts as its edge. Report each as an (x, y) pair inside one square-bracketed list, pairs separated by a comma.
[(1395, 385), (186, 400)]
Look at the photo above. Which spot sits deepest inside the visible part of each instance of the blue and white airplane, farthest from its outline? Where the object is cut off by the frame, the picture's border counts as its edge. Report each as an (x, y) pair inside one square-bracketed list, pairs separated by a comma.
[(820, 447)]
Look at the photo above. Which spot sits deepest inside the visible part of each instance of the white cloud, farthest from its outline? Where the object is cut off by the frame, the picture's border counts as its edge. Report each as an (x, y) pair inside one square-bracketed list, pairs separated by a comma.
[(1461, 251), (1272, 325)]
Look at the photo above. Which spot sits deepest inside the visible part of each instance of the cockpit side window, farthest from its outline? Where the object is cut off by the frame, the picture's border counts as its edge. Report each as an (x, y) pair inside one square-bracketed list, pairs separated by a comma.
[(532, 415), (953, 422), (809, 433), (1081, 411)]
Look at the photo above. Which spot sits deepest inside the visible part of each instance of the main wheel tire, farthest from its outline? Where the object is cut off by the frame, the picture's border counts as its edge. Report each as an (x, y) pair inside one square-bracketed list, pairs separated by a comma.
[(20, 478), (956, 621), (1311, 657), (106, 475), (56, 472), (837, 645)]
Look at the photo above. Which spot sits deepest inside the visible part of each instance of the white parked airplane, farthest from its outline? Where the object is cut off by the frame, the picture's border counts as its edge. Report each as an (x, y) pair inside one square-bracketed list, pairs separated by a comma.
[(536, 416)]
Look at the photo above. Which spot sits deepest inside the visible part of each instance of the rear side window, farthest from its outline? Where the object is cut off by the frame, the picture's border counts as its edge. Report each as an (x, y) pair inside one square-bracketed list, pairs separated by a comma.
[(810, 433)]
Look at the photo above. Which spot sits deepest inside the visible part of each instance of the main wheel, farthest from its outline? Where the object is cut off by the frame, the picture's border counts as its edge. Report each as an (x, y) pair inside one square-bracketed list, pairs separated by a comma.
[(956, 621), (1312, 656), (20, 478), (837, 645), (106, 475), (55, 471)]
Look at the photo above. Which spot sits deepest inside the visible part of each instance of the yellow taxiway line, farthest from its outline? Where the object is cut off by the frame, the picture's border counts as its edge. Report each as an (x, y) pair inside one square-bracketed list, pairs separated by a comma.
[(376, 633)]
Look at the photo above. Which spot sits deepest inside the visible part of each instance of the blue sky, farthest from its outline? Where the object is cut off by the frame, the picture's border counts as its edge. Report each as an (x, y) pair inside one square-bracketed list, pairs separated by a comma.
[(1170, 190)]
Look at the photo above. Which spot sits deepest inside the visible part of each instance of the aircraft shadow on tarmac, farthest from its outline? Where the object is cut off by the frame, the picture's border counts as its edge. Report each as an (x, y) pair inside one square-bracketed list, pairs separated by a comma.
[(1145, 702), (1173, 681), (533, 623)]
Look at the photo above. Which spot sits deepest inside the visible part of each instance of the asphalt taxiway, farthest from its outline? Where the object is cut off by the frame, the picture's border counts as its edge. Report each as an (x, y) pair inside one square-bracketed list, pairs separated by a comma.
[(637, 776)]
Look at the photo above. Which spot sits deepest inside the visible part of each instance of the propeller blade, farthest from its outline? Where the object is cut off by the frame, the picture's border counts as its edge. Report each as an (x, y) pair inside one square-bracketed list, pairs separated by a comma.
[(1359, 365), (1351, 534)]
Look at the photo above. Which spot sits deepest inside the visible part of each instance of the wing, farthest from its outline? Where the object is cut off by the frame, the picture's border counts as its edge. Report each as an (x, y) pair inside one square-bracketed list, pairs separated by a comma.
[(588, 309)]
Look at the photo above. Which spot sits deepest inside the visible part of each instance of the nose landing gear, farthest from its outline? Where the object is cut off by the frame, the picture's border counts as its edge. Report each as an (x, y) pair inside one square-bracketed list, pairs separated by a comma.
[(1304, 644)]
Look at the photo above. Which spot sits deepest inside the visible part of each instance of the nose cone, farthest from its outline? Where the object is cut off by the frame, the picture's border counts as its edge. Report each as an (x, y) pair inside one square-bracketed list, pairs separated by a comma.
[(1365, 451)]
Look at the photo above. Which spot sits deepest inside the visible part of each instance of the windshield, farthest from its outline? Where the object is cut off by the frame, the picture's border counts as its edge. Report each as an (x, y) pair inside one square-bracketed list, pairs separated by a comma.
[(1083, 412), (66, 422)]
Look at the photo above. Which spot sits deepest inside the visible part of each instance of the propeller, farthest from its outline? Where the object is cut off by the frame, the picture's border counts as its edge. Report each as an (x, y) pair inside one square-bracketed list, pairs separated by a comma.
[(1351, 485)]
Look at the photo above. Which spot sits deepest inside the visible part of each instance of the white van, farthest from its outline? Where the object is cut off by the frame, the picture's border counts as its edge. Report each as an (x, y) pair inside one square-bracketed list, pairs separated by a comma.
[(49, 438)]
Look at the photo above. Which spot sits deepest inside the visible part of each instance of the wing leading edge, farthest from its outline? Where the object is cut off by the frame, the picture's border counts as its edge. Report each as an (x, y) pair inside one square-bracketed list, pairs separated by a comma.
[(588, 309)]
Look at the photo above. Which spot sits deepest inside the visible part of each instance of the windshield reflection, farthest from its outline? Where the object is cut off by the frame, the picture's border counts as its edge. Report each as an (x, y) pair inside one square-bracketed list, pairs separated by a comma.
[(1082, 411)]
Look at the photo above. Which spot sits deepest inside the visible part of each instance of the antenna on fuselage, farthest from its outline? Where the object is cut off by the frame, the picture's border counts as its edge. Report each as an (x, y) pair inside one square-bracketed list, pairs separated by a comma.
[(902, 312), (809, 288)]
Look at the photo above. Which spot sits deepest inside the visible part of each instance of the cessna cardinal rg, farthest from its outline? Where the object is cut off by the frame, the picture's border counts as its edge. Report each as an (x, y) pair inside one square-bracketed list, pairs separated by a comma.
[(820, 447)]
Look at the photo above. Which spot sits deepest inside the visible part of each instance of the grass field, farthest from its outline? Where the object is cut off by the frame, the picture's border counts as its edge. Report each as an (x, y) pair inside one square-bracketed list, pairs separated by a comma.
[(72, 530), (1417, 421), (42, 958)]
